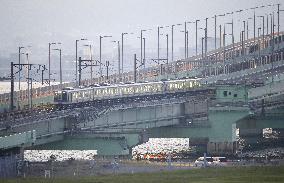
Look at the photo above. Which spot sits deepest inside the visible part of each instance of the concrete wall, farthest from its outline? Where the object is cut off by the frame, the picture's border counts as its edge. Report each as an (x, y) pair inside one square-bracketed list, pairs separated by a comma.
[(18, 140), (231, 93), (45, 130), (139, 117)]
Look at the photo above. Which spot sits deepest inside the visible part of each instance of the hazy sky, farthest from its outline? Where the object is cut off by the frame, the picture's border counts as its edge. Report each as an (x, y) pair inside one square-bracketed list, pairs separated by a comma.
[(37, 22)]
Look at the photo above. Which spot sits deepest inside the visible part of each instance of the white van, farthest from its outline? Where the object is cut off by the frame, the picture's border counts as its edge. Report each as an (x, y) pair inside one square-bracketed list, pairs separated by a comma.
[(219, 161), (200, 162)]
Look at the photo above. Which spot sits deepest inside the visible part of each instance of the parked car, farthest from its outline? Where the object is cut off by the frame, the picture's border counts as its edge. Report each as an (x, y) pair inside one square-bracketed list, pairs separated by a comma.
[(200, 162)]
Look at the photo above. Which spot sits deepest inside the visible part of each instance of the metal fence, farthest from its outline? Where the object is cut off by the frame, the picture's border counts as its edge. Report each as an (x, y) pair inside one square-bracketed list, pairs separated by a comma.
[(8, 166)]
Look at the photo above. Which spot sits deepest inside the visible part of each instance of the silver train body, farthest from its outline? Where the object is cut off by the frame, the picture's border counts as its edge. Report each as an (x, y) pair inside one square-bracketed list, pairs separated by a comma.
[(71, 96)]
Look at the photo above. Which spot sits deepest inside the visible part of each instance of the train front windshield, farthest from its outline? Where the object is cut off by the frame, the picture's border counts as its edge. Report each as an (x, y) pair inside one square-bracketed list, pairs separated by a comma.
[(57, 96), (60, 96)]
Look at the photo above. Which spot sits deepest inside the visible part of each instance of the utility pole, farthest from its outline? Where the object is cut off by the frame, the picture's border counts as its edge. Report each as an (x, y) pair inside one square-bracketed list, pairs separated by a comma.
[(122, 50), (215, 22), (224, 51), (173, 40), (254, 29), (20, 63), (267, 24), (247, 30), (29, 92), (141, 46), (12, 88), (196, 22), (158, 45), (91, 57), (49, 62), (82, 65), (101, 72), (118, 49), (107, 67), (243, 34), (76, 45), (185, 40), (278, 13), (29, 67), (167, 48), (186, 44), (144, 59), (202, 40), (173, 43), (80, 74), (122, 34), (135, 69), (206, 19), (60, 67), (220, 29)]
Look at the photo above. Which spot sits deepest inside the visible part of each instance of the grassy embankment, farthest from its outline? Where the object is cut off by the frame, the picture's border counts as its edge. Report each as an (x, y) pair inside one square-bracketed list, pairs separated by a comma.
[(212, 175)]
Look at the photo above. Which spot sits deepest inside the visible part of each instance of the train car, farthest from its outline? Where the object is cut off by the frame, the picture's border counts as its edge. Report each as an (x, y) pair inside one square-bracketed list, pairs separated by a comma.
[(71, 96)]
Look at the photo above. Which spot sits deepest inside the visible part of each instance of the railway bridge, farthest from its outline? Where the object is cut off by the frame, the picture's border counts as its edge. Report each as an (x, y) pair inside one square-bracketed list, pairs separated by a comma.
[(208, 116)]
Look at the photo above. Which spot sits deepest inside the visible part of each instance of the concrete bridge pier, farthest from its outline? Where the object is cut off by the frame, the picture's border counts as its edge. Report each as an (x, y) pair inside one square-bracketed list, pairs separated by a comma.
[(106, 144)]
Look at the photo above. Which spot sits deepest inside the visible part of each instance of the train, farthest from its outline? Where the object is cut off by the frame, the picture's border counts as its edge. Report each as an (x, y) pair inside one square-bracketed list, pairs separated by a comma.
[(68, 96)]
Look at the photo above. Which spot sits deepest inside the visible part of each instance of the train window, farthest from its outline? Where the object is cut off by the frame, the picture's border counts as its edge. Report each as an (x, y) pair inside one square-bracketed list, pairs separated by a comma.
[(125, 90), (100, 92), (64, 96), (119, 91), (74, 96), (136, 89), (145, 88)]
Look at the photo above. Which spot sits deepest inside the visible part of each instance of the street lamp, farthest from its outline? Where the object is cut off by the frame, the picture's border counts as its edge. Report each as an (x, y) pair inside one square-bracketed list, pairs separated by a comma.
[(122, 50), (118, 55), (242, 42), (254, 23), (203, 42), (91, 60), (144, 57), (173, 40), (262, 25), (159, 27), (186, 39), (76, 44), (220, 31), (49, 69), (232, 23), (250, 18), (258, 34), (278, 13), (244, 30), (49, 66), (141, 46), (60, 66), (20, 47), (205, 39), (215, 27), (101, 72)]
